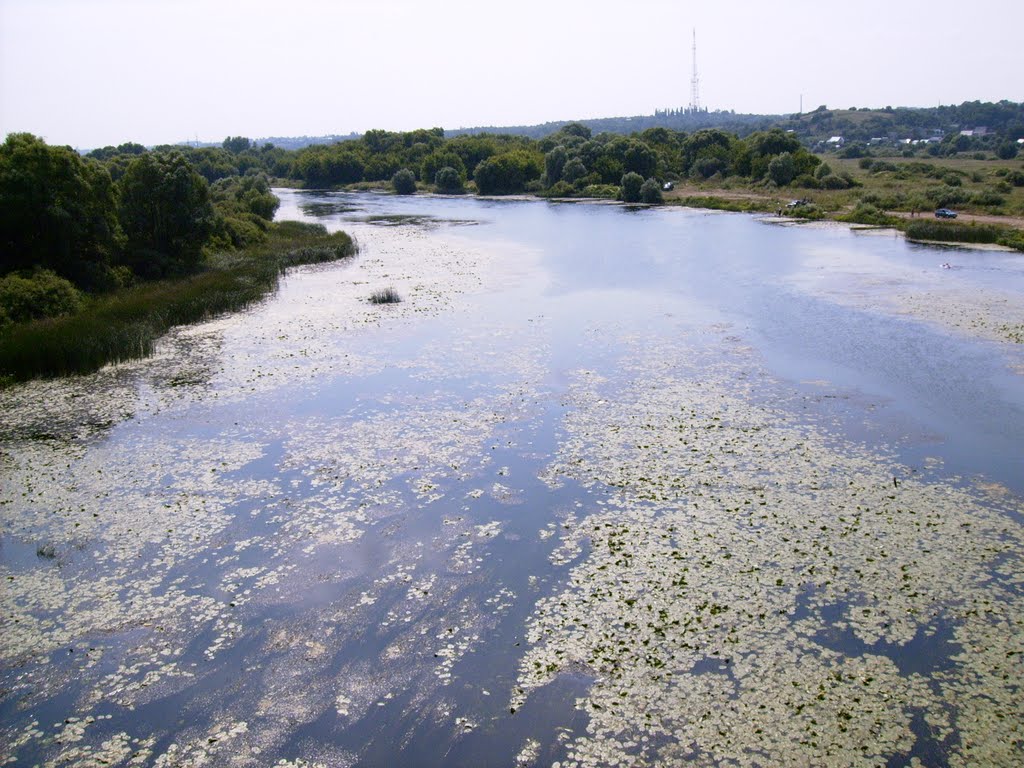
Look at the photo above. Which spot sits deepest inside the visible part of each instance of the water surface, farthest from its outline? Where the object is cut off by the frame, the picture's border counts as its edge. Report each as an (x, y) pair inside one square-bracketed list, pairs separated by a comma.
[(609, 486)]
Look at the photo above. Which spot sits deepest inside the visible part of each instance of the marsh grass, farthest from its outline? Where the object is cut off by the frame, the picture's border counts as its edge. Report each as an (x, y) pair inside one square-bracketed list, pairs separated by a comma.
[(952, 232), (125, 325), (385, 296)]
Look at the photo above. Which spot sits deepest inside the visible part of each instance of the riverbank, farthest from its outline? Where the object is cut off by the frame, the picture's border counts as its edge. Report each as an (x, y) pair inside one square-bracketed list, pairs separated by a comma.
[(125, 324)]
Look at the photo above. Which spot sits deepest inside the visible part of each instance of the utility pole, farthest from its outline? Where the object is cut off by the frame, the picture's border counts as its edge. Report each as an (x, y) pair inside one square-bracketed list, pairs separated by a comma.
[(695, 81)]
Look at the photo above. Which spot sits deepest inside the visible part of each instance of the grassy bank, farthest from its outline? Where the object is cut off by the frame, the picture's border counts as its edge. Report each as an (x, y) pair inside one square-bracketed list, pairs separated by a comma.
[(126, 324), (956, 232)]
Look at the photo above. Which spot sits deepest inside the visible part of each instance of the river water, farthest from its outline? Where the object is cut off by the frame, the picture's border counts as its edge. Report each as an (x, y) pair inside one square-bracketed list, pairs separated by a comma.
[(610, 486)]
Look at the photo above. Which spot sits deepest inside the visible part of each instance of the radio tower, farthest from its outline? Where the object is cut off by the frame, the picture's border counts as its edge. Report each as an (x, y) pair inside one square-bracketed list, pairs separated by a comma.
[(694, 81)]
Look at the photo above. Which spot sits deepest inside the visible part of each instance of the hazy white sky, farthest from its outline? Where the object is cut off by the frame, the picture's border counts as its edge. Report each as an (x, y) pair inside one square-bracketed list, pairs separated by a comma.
[(95, 72)]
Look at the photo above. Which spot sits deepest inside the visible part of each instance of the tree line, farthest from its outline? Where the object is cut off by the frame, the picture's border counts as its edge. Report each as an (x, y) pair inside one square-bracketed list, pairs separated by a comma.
[(126, 213), (70, 224)]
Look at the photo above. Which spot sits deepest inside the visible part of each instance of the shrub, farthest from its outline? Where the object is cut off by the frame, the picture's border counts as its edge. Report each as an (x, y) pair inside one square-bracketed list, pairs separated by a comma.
[(385, 296), (631, 183), (1016, 178), (943, 197), (831, 181), (508, 173), (822, 171), (866, 213), (1007, 150), (806, 181), (448, 180), (782, 169), (952, 180), (561, 189), (603, 191), (574, 170), (37, 295), (404, 182), (650, 192), (988, 198)]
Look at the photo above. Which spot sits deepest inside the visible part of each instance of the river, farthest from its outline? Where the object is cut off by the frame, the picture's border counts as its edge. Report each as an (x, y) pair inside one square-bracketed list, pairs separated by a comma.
[(609, 486)]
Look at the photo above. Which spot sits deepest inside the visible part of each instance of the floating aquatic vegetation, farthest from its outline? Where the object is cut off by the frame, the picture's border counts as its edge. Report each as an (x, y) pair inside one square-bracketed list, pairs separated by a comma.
[(753, 586)]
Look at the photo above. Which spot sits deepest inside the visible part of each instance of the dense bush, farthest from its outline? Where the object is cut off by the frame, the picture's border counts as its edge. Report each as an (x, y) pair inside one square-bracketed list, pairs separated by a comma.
[(560, 189), (944, 197), (650, 192), (602, 191), (988, 198), (36, 295), (1007, 150), (782, 169), (404, 182), (436, 161), (57, 212), (831, 181), (867, 213), (508, 173), (448, 180), (166, 213), (631, 184), (574, 170)]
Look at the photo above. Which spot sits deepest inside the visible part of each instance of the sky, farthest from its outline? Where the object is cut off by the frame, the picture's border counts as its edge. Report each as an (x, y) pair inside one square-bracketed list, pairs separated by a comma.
[(91, 73)]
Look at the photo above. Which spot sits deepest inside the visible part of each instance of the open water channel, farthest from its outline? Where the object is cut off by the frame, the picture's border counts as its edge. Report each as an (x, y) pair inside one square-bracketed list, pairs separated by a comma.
[(609, 486)]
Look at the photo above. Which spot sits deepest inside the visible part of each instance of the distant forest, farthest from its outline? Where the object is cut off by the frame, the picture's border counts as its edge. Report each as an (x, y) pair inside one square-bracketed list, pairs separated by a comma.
[(1004, 118)]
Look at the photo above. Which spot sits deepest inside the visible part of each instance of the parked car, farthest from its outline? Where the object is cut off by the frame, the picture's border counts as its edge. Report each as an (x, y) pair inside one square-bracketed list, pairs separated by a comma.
[(668, 186), (797, 203), (945, 213)]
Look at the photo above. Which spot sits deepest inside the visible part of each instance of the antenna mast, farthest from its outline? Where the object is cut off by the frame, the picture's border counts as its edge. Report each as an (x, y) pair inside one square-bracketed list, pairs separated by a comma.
[(694, 81)]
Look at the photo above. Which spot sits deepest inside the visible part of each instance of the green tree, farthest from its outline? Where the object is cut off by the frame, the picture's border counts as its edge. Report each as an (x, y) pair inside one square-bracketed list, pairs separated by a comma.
[(574, 170), (554, 162), (650, 192), (473, 149), (1007, 150), (576, 129), (166, 213), (439, 159), (245, 194), (57, 211), (782, 169), (236, 144), (404, 182), (448, 180), (508, 173), (631, 184), (639, 158)]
